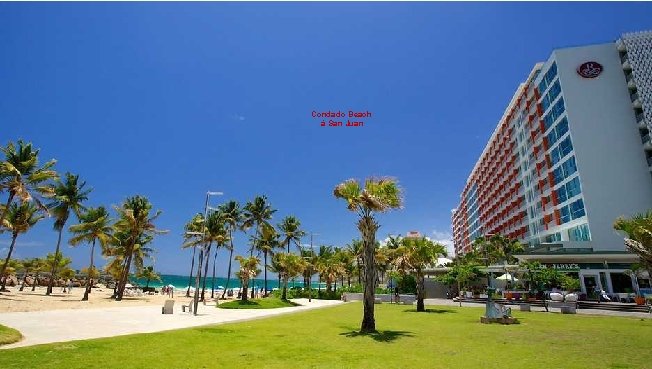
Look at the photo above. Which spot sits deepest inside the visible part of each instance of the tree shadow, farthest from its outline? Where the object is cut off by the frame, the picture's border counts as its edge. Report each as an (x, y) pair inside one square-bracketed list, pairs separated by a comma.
[(431, 311), (379, 336)]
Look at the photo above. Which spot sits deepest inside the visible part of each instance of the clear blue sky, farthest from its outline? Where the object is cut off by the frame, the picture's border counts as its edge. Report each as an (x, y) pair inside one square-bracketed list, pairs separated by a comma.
[(170, 100)]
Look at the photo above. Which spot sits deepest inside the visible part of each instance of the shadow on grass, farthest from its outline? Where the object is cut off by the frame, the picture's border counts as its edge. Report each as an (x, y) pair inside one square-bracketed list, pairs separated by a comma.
[(379, 336), (431, 311)]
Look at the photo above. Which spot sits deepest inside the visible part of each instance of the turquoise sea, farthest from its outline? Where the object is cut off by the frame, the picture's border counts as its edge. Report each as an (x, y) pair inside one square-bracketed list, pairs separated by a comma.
[(181, 282)]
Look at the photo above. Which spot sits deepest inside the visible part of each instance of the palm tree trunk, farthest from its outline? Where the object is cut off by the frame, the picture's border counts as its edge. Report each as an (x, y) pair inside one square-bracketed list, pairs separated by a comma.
[(22, 286), (125, 277), (228, 276), (244, 290), (54, 265), (420, 292), (147, 284), (265, 284), (192, 267), (197, 280), (34, 282), (4, 266), (89, 281), (6, 209), (368, 227), (213, 279), (208, 261), (284, 296)]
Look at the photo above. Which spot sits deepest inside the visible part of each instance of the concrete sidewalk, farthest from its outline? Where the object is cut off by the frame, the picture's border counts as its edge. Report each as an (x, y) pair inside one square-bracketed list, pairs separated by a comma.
[(39, 327), (447, 302)]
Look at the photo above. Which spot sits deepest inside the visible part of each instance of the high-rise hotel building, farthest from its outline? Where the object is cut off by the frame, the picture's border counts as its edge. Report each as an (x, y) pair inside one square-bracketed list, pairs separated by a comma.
[(571, 153)]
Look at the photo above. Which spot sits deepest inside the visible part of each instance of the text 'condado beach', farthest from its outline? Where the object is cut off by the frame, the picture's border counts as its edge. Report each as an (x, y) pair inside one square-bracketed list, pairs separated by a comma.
[(330, 122)]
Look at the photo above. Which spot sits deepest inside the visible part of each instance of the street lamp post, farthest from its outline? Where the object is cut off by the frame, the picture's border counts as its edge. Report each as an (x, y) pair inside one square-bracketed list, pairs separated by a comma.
[(201, 252)]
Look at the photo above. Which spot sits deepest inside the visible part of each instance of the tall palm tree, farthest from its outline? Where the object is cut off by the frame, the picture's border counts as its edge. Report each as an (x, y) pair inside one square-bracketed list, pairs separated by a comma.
[(22, 177), (413, 257), (291, 231), (232, 216), (38, 267), (215, 232), (248, 270), (221, 236), (376, 196), (269, 240), (94, 226), (136, 226), (68, 197), (191, 234), (19, 219), (257, 213)]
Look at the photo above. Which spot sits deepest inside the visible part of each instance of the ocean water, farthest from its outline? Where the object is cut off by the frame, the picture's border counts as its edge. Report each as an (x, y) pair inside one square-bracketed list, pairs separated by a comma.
[(181, 282)]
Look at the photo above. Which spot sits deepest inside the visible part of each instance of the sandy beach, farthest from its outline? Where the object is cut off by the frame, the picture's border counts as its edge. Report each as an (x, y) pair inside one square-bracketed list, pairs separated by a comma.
[(16, 301)]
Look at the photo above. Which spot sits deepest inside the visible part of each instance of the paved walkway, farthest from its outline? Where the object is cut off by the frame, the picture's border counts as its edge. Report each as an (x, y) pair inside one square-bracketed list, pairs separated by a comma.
[(39, 327), (447, 302)]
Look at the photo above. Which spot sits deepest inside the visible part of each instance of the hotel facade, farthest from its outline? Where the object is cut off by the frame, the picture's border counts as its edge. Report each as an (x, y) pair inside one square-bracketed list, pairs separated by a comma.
[(571, 153)]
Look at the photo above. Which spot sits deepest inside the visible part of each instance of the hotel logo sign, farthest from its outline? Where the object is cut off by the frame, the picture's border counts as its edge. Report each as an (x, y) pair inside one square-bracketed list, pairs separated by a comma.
[(563, 266), (590, 69)]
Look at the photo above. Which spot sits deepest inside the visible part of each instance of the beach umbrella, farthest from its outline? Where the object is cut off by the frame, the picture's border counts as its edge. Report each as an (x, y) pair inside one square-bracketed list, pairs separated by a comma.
[(507, 277)]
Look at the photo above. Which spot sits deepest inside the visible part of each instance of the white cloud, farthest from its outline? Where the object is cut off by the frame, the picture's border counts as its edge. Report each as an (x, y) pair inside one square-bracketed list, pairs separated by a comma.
[(446, 239), (238, 117)]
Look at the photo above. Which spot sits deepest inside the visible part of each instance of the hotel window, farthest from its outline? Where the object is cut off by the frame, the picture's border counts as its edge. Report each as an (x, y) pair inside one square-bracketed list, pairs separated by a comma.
[(561, 194), (580, 233), (565, 215), (565, 147), (569, 167), (573, 187), (577, 209)]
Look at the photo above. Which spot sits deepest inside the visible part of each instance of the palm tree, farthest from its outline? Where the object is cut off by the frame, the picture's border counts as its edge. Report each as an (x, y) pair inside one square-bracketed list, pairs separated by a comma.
[(287, 266), (149, 274), (29, 265), (248, 270), (215, 232), (19, 219), (38, 267), (377, 196), (220, 236), (192, 232), (257, 213), (136, 228), (22, 177), (290, 228), (639, 237), (11, 267), (94, 226), (413, 257), (232, 217), (68, 197), (356, 249), (269, 240), (56, 262)]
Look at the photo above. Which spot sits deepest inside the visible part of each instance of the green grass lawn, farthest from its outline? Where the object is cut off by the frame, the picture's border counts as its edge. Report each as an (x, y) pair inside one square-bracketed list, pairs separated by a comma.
[(266, 303), (444, 337), (9, 335)]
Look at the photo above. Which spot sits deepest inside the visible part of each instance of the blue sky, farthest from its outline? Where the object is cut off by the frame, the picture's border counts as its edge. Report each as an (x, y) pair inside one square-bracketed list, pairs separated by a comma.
[(169, 100)]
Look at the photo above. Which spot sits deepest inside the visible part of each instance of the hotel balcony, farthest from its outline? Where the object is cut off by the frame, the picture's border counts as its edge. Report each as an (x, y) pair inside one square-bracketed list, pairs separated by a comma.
[(620, 45), (640, 121), (630, 81), (625, 61), (636, 102), (647, 145), (649, 163)]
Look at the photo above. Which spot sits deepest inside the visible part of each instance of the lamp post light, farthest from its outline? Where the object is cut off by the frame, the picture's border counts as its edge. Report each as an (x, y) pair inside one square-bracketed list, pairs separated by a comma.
[(201, 250)]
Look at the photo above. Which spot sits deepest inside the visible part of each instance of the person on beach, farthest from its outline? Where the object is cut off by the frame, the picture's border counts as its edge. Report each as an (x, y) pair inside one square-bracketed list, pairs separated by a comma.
[(69, 286)]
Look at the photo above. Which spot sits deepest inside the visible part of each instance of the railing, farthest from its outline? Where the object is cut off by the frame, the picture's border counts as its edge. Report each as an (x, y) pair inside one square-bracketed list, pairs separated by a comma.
[(634, 96)]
